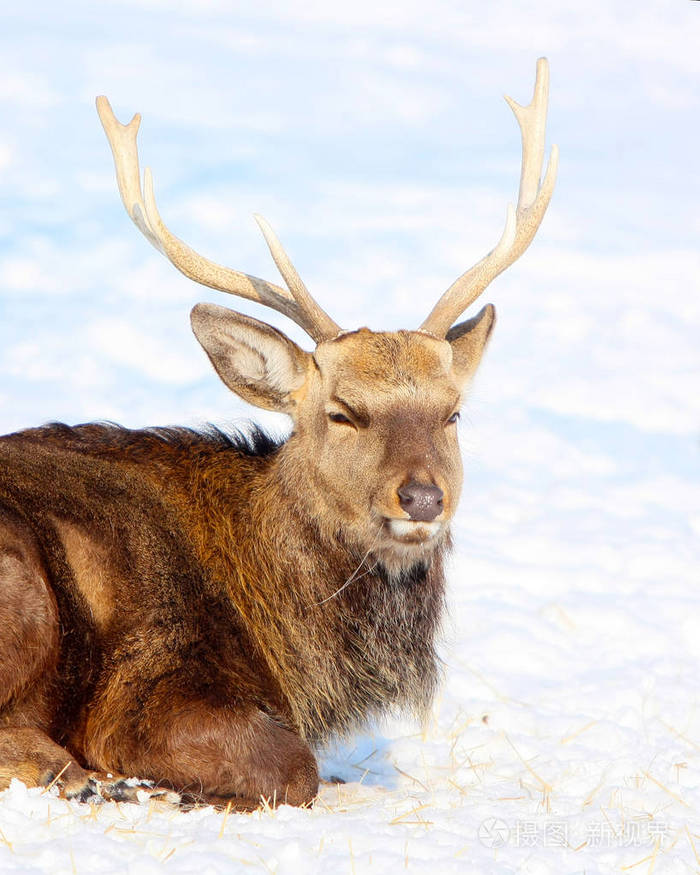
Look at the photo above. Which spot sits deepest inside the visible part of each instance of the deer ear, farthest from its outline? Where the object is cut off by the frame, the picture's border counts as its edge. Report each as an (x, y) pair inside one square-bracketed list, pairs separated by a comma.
[(468, 340), (255, 360)]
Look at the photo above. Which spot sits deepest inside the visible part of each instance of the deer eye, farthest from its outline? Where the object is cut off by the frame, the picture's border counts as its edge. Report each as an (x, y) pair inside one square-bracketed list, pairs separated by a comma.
[(340, 417), (453, 419)]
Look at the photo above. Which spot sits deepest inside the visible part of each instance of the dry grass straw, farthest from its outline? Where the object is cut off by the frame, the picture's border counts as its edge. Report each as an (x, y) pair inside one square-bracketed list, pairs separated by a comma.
[(352, 857), (692, 845), (573, 735), (402, 817), (680, 735), (227, 813), (545, 788), (56, 779), (6, 842), (666, 789), (411, 778)]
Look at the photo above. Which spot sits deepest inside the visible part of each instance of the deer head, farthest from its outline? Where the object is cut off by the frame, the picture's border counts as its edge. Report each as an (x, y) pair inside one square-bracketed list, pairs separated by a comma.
[(375, 435)]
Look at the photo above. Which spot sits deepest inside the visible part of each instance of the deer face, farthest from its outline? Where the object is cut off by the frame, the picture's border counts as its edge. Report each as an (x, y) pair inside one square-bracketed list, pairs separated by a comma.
[(375, 421), (381, 419)]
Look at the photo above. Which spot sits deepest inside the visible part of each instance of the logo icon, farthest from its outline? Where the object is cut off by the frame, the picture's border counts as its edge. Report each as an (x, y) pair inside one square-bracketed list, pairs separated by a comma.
[(493, 832)]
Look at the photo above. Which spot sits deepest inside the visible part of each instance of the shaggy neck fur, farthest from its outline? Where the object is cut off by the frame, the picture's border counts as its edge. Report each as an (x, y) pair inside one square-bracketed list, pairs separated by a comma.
[(343, 637)]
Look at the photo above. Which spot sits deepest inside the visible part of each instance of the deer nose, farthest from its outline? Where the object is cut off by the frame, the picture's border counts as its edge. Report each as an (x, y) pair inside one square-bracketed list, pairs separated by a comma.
[(421, 501)]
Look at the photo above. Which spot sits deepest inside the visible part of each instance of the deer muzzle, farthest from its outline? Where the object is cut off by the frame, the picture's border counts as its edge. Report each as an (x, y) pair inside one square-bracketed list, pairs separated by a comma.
[(421, 501)]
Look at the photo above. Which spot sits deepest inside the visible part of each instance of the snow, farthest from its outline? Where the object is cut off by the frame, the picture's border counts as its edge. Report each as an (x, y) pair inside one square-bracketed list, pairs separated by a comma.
[(566, 735)]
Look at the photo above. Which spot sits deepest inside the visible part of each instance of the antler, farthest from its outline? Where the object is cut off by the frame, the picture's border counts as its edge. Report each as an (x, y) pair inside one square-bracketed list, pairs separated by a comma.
[(298, 306), (521, 223)]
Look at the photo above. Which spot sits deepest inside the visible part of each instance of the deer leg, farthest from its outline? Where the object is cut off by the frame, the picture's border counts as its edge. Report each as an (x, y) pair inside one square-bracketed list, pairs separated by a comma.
[(31, 756), (210, 753), (29, 637), (242, 755), (28, 617)]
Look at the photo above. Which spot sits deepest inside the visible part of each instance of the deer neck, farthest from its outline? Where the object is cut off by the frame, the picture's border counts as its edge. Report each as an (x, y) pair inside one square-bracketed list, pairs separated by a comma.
[(329, 629)]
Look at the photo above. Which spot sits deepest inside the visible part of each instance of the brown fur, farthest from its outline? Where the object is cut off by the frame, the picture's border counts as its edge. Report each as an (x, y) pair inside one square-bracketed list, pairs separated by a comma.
[(198, 609)]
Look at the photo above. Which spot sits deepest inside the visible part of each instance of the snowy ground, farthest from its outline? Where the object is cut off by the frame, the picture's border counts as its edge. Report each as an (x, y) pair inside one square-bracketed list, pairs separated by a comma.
[(566, 738)]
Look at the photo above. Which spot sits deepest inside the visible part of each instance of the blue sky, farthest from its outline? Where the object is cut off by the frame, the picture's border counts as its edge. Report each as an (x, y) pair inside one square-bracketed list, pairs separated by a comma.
[(374, 138)]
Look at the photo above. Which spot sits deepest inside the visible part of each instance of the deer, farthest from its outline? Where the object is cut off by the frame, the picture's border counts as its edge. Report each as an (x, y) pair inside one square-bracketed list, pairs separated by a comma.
[(203, 609)]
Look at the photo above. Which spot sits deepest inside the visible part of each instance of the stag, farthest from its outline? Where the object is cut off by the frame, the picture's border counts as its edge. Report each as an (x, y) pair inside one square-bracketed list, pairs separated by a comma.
[(202, 609)]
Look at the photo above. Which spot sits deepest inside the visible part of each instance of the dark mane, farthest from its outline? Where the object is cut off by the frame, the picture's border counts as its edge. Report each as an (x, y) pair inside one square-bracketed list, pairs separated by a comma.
[(250, 439), (101, 437)]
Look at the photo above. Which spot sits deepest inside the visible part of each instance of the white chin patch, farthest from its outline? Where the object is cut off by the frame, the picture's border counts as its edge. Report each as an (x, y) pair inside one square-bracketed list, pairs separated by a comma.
[(413, 529)]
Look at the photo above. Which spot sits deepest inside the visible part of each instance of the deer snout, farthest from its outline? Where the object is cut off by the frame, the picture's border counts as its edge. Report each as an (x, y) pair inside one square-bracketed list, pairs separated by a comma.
[(421, 501)]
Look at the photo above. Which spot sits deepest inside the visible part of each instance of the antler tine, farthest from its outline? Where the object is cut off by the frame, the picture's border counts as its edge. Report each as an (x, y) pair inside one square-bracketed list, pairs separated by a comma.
[(122, 141), (294, 281), (297, 303), (533, 123), (521, 223)]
